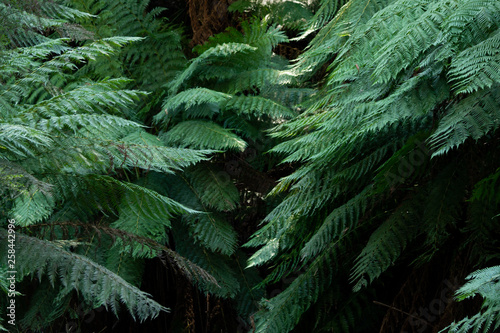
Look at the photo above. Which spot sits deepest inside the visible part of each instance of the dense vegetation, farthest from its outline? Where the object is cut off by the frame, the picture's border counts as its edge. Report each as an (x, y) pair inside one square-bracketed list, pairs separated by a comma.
[(250, 166)]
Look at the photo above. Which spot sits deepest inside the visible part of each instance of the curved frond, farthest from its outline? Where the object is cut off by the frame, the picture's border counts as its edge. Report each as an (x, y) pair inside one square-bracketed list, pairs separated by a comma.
[(95, 283), (203, 135)]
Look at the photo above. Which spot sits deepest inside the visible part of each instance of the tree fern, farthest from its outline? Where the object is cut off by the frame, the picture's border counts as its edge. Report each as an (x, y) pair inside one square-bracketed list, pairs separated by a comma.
[(386, 126), (214, 186), (281, 313), (472, 117), (481, 73), (203, 135), (386, 244), (483, 282), (96, 283), (67, 148), (392, 98)]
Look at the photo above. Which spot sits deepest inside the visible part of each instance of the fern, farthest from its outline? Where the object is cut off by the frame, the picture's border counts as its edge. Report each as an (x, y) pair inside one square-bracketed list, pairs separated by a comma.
[(221, 52), (393, 81), (480, 73), (213, 232), (259, 107), (156, 59), (214, 186), (281, 313), (96, 283), (386, 244), (69, 138), (336, 224), (216, 266), (203, 135), (472, 117), (483, 282), (190, 98), (146, 213)]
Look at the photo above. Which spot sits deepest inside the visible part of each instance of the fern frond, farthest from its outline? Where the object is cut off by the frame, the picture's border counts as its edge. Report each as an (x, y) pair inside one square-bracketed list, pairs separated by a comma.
[(477, 67), (259, 107), (472, 117), (213, 187), (125, 265), (146, 213), (281, 313), (32, 208), (217, 266), (192, 97), (144, 150), (213, 232), (88, 125), (387, 243), (203, 135), (200, 65), (98, 285), (94, 97), (56, 10), (484, 282), (24, 28), (22, 141), (340, 221), (251, 79)]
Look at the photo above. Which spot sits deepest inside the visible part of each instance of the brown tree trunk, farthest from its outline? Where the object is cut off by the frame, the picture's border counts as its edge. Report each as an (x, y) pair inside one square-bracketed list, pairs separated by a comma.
[(208, 17)]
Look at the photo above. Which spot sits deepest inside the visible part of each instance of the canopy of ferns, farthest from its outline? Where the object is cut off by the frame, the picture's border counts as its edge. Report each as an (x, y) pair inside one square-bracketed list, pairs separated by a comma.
[(354, 188)]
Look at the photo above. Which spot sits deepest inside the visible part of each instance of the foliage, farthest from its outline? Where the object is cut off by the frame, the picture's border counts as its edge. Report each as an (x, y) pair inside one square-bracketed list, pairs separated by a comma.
[(71, 151), (392, 125), (485, 283), (295, 195)]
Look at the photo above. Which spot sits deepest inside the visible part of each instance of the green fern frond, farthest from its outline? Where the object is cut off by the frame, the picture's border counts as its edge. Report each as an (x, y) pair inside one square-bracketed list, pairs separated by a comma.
[(251, 79), (24, 28), (98, 285), (88, 125), (144, 150), (22, 141), (473, 117), (326, 11), (146, 213), (259, 107), (32, 208), (477, 67), (203, 135), (94, 97), (156, 59), (348, 16), (192, 97), (255, 32), (56, 10), (125, 265), (222, 52), (387, 243), (213, 232), (340, 221), (217, 266), (484, 282), (213, 187), (281, 313)]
